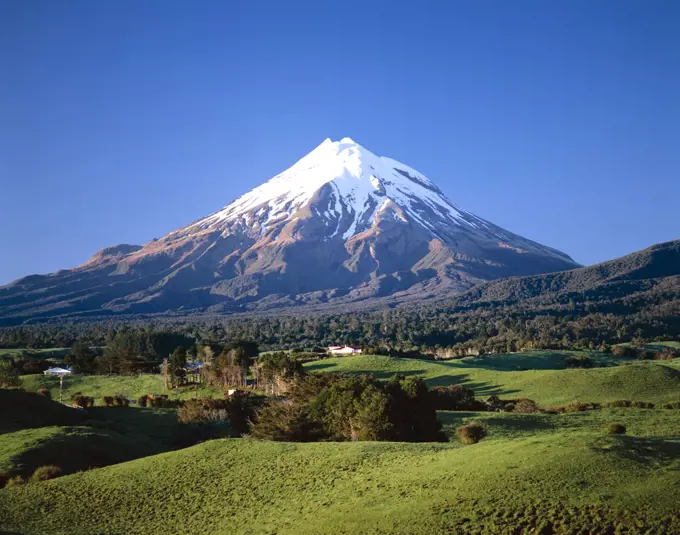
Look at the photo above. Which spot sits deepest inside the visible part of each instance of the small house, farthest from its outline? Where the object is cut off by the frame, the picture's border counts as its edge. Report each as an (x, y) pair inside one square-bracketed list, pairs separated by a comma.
[(344, 350), (60, 372)]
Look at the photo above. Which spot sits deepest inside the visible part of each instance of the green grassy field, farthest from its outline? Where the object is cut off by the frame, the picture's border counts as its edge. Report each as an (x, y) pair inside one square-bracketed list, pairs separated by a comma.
[(80, 440), (539, 375), (564, 479), (98, 386), (550, 473), (548, 383)]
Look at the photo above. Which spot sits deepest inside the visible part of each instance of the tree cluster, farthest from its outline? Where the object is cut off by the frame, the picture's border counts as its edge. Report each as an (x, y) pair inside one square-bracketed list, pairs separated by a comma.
[(349, 407)]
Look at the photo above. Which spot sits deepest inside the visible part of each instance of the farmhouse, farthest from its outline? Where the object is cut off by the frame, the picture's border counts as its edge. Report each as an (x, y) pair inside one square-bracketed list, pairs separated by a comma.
[(61, 372), (343, 350)]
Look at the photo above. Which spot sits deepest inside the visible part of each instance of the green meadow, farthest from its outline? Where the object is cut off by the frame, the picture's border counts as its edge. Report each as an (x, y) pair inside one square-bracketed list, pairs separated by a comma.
[(534, 473), (540, 376)]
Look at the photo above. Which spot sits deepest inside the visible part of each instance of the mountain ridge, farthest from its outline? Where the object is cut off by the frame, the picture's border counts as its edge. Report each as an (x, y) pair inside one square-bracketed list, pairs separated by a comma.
[(622, 275)]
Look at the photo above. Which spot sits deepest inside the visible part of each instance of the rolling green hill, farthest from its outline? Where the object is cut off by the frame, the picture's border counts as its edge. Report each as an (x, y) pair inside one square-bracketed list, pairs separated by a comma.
[(97, 386), (22, 410), (562, 481), (495, 375), (36, 431), (552, 473)]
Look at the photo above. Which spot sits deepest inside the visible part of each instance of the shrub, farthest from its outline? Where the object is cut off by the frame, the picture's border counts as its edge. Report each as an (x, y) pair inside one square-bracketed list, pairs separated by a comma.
[(163, 402), (625, 351), (84, 402), (494, 403), (471, 432), (9, 376), (120, 401), (668, 353), (15, 481), (614, 428), (46, 472), (32, 366), (642, 405), (579, 361), (286, 421), (620, 403), (575, 406), (348, 407), (108, 401), (202, 411), (526, 406), (672, 405), (44, 392), (453, 398), (143, 400)]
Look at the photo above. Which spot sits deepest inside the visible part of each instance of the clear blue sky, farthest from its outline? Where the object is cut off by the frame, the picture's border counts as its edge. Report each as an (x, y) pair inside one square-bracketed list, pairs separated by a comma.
[(122, 120)]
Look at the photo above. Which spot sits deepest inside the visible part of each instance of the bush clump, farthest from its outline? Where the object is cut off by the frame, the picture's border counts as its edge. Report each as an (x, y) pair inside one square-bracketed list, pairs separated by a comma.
[(108, 401), (620, 403), (81, 401), (164, 403), (471, 432), (614, 428), (642, 405), (454, 398), (43, 473), (42, 391), (143, 401), (672, 405), (668, 353), (526, 406), (236, 410), (575, 406), (348, 407), (120, 401), (287, 422), (15, 481), (579, 361)]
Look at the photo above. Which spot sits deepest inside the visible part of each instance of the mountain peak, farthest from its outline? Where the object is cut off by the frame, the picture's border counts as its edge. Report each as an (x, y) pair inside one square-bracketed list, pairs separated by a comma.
[(342, 224)]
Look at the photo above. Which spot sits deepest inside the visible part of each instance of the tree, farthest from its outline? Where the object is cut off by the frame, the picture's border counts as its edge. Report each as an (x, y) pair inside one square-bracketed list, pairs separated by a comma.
[(81, 359), (176, 366), (9, 376)]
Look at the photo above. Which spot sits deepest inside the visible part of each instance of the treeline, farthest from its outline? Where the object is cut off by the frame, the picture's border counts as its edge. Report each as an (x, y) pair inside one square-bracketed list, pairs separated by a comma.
[(584, 321)]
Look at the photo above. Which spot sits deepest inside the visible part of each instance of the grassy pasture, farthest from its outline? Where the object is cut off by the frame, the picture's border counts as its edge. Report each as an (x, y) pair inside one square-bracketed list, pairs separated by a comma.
[(547, 382), (552, 473), (563, 480), (98, 386)]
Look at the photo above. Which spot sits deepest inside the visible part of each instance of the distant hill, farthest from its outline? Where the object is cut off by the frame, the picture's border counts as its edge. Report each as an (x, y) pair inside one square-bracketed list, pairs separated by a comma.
[(652, 270)]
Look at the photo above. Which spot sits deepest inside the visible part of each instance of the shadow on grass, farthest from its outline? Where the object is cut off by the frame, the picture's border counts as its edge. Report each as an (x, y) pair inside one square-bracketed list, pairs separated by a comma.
[(482, 390), (319, 366), (647, 451), (534, 360), (509, 422)]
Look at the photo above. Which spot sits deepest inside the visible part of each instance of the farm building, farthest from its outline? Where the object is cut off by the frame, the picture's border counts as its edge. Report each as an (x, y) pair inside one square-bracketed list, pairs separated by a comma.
[(57, 371), (344, 350)]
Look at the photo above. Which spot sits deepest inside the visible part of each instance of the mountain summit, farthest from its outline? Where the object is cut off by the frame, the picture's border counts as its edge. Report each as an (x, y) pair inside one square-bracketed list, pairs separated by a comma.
[(340, 225)]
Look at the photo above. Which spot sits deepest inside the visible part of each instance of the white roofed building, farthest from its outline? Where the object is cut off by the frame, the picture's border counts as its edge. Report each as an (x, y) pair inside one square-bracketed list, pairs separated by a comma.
[(344, 350), (57, 371)]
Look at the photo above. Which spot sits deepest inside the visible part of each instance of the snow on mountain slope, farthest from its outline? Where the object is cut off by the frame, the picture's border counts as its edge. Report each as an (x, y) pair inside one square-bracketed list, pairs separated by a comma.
[(340, 225), (362, 186)]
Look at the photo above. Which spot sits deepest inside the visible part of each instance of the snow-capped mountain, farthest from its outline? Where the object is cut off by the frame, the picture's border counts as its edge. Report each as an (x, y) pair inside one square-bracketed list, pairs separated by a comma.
[(340, 225)]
